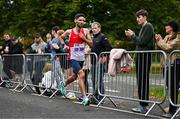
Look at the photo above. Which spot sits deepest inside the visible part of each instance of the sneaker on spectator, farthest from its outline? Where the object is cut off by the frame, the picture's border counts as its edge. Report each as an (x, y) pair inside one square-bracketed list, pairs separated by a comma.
[(167, 115), (71, 96), (85, 101), (93, 101), (62, 88), (140, 109), (9, 85), (3, 84), (80, 98), (58, 93), (37, 90), (48, 93)]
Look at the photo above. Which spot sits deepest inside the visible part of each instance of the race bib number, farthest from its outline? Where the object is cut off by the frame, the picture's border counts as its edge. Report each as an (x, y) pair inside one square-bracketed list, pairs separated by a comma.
[(78, 47)]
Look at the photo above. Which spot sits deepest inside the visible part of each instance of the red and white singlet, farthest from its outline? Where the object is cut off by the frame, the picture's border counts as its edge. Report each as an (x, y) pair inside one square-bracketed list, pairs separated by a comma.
[(76, 45)]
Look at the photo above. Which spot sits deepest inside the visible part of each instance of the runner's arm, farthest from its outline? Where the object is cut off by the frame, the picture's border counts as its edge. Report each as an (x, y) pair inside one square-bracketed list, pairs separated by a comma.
[(86, 37), (63, 37)]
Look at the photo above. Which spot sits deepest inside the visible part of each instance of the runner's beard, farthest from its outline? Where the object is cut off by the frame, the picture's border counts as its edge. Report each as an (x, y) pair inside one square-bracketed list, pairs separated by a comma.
[(80, 25)]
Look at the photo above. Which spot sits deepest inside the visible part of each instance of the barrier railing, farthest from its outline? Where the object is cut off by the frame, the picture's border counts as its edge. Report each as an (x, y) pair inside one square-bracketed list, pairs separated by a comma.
[(12, 70), (124, 85), (150, 88), (174, 82), (1, 70), (35, 64), (44, 72)]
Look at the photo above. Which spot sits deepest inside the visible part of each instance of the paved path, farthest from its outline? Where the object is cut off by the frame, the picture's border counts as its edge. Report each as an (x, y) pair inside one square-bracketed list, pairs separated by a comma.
[(26, 105)]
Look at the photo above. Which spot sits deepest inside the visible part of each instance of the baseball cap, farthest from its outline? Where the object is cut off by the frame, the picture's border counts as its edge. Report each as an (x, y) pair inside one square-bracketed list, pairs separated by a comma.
[(37, 35), (13, 38)]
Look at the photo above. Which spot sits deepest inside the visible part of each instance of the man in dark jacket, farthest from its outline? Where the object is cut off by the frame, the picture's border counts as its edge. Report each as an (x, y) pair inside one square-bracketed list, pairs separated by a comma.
[(100, 44), (4, 49), (17, 60), (6, 43)]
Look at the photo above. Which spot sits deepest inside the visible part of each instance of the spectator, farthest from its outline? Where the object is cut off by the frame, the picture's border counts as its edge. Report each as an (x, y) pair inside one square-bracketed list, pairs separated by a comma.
[(17, 60), (54, 47), (144, 41), (101, 44), (48, 37), (37, 61), (5, 50), (87, 66), (171, 42), (5, 44)]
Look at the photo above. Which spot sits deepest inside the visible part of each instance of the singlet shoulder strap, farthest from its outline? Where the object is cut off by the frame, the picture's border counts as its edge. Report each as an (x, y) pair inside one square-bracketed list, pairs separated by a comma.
[(71, 33)]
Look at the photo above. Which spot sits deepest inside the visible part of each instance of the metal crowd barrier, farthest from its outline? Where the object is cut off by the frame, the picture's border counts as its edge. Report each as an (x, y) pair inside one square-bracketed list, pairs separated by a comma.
[(35, 67), (43, 72), (174, 81), (1, 70), (123, 87), (12, 70)]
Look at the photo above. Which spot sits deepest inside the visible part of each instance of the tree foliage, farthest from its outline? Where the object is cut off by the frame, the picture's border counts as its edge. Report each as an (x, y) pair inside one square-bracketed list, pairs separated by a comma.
[(25, 17)]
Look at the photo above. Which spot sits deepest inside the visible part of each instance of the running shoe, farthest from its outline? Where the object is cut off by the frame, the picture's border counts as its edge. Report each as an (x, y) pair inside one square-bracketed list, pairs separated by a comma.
[(85, 101), (62, 88)]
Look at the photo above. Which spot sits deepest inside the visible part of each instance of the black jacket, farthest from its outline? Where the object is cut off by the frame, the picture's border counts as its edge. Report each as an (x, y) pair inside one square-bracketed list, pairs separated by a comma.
[(145, 39), (16, 49), (4, 44), (100, 44)]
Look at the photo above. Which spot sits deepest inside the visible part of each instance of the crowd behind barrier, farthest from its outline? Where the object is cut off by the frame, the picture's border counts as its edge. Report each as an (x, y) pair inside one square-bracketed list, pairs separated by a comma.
[(42, 74)]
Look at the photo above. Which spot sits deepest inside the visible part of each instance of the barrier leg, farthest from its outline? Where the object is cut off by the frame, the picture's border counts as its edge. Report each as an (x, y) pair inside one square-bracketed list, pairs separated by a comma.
[(175, 114)]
